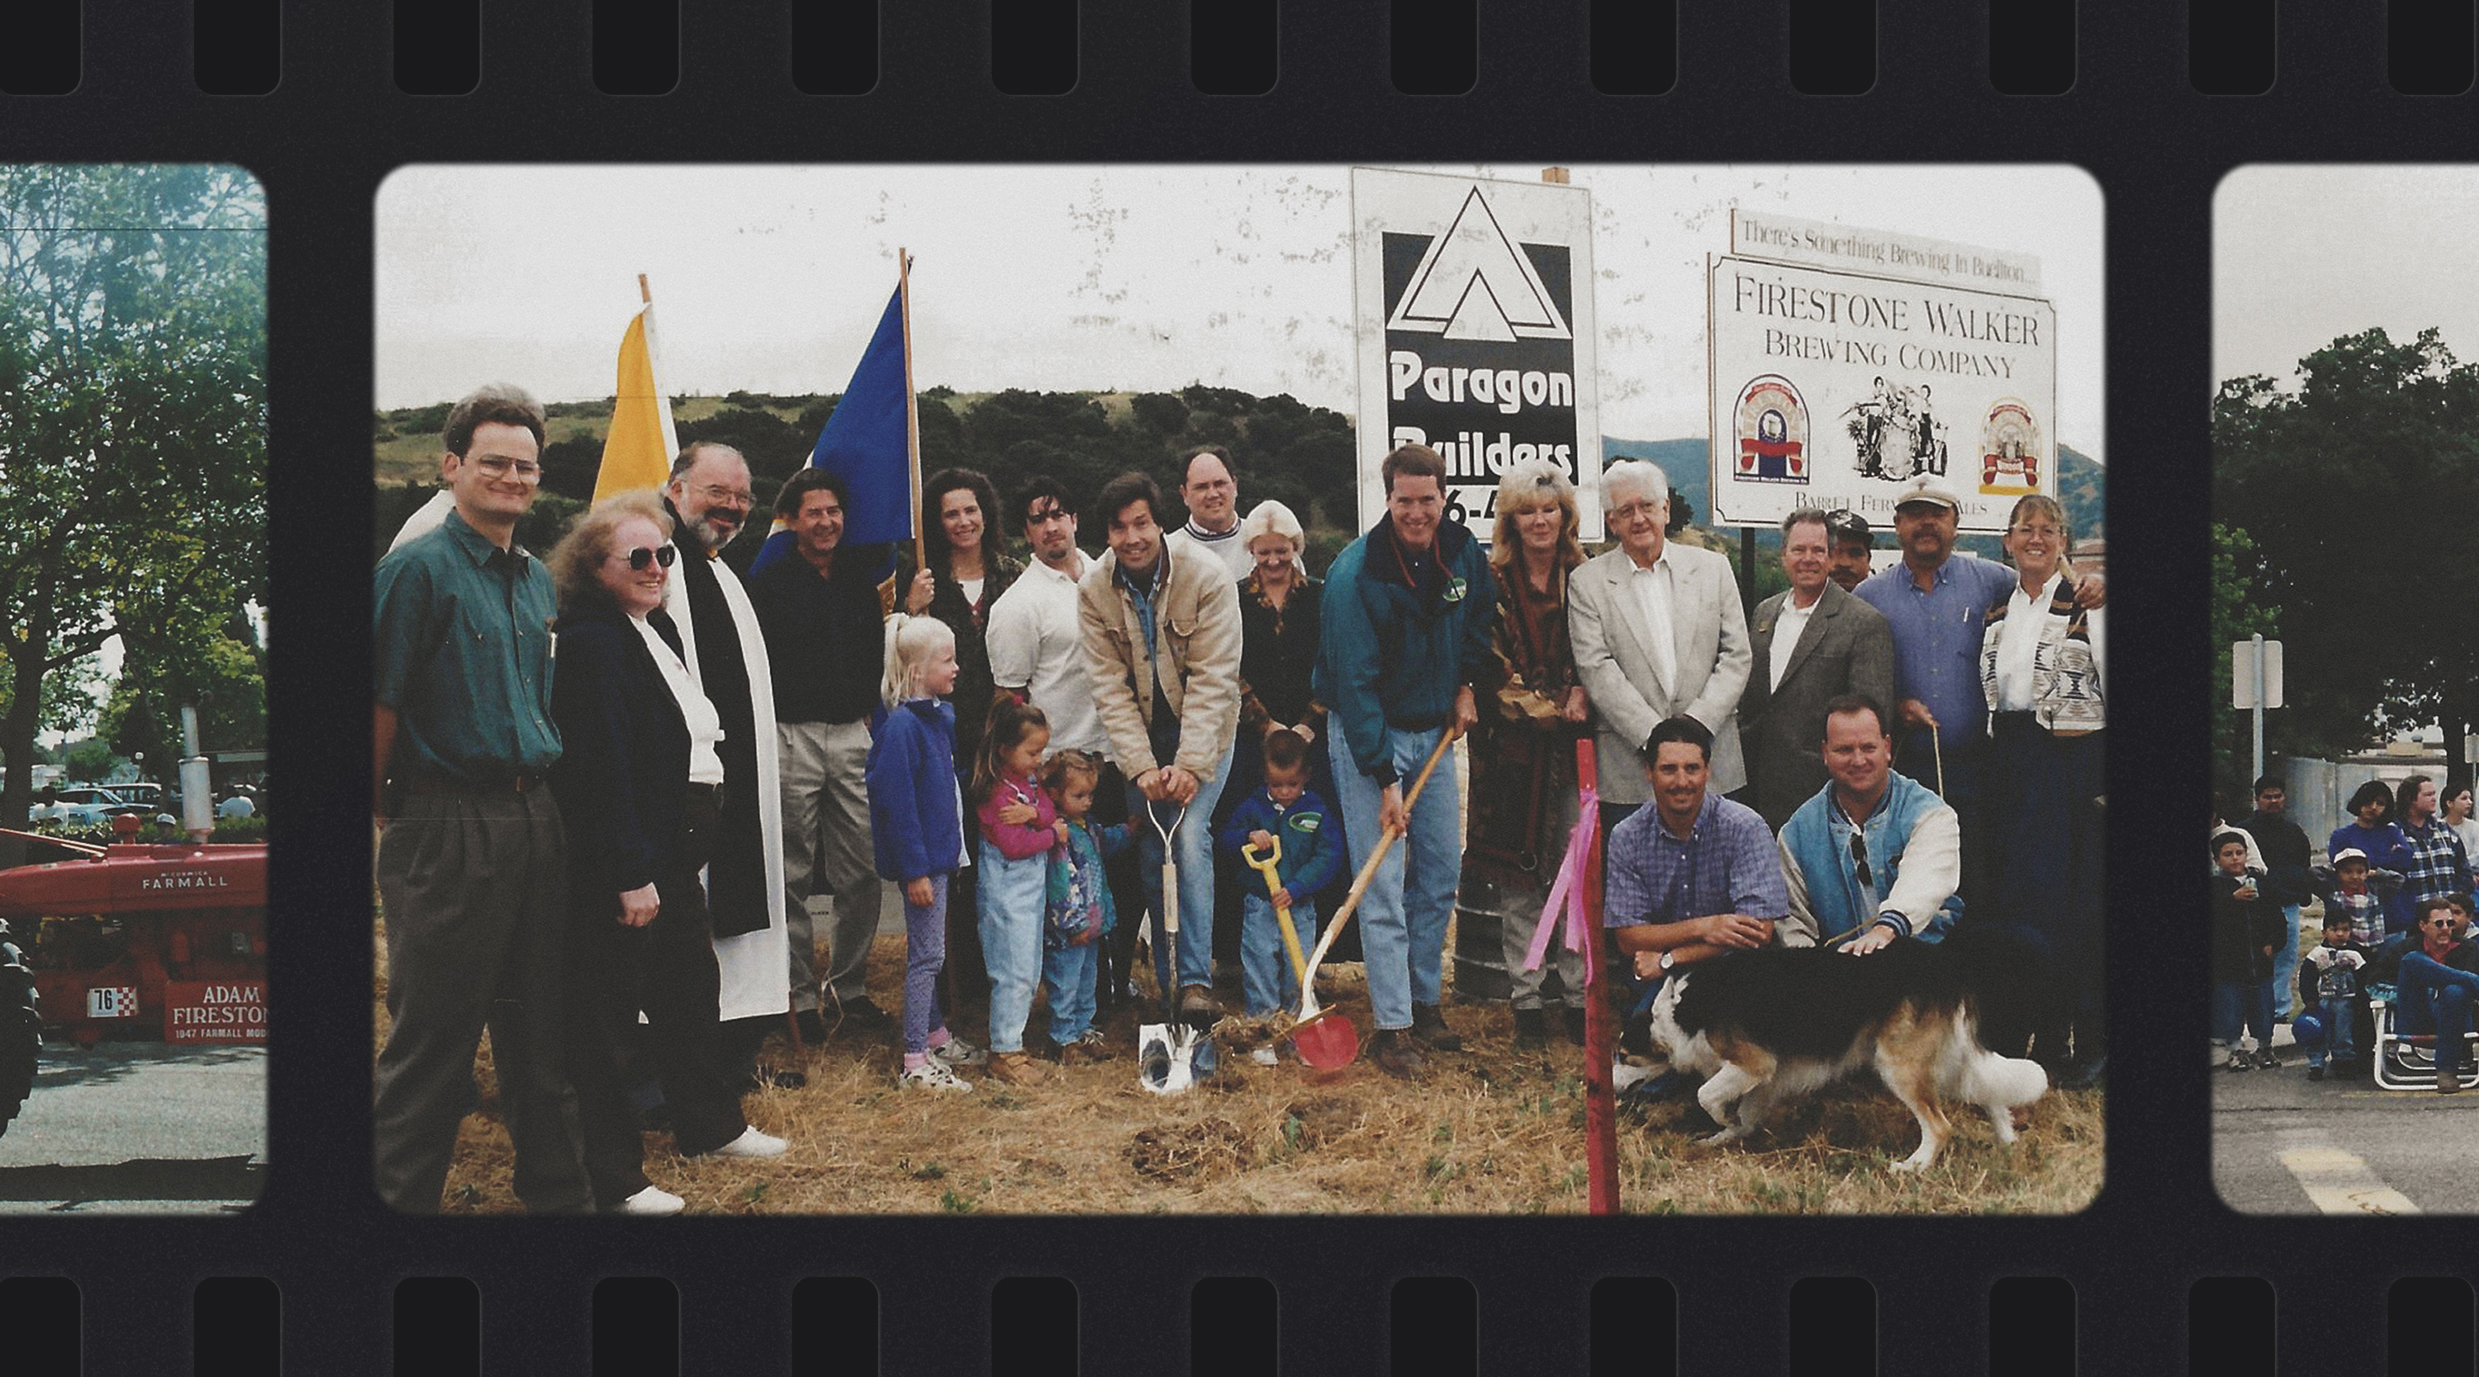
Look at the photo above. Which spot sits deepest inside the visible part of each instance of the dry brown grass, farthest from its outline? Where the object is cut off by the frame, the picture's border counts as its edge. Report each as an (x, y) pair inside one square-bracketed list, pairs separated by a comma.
[(1491, 1130)]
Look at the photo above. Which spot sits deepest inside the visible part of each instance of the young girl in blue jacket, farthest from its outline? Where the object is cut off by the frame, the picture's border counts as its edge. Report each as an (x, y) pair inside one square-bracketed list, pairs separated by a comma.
[(916, 817)]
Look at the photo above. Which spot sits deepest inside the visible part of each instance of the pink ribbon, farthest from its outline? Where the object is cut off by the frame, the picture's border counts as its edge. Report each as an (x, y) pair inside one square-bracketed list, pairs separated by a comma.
[(1565, 906)]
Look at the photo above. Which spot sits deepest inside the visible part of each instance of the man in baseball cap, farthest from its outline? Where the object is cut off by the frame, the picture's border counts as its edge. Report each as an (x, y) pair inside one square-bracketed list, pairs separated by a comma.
[(1851, 542)]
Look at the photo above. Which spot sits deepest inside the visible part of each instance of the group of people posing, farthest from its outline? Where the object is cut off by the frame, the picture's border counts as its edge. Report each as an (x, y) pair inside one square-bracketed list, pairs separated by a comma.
[(2395, 889), (610, 865)]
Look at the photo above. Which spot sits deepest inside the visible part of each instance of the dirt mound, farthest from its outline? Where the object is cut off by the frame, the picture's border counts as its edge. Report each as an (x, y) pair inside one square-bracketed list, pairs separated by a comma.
[(1188, 1153), (1312, 1123)]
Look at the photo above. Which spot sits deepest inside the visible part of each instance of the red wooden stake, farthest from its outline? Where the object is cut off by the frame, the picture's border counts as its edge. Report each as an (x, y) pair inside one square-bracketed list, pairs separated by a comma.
[(1600, 1036)]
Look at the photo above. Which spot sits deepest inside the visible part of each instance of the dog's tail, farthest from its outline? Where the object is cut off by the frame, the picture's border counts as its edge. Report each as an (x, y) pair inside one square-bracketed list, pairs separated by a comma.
[(1999, 1080), (2007, 981)]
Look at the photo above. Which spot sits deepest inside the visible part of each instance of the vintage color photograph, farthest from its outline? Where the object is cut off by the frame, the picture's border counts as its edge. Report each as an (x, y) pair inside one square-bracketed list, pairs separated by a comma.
[(1239, 689), (2344, 968), (133, 702)]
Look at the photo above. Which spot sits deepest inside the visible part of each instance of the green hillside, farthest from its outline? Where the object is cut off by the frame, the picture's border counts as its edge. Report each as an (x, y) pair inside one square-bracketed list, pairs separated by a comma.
[(1301, 455)]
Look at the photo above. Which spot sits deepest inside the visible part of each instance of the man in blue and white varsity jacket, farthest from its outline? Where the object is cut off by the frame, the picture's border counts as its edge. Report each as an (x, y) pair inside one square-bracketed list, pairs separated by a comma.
[(1874, 850)]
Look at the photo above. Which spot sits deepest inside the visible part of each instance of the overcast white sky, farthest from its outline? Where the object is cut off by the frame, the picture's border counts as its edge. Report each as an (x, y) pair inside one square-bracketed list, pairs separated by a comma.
[(1062, 277), (2304, 255)]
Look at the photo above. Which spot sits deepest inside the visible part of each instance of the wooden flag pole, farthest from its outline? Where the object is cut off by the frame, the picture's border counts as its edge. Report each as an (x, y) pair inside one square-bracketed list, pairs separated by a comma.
[(912, 412)]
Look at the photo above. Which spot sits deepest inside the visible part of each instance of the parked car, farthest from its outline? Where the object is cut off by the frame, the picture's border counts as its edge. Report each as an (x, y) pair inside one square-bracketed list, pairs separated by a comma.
[(89, 805)]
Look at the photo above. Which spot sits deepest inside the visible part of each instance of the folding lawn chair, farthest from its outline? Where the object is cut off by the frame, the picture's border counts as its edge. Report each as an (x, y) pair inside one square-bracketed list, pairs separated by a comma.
[(2407, 1061)]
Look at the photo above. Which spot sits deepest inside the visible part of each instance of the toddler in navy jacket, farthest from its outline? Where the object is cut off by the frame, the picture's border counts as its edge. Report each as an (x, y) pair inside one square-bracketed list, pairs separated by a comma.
[(1312, 855)]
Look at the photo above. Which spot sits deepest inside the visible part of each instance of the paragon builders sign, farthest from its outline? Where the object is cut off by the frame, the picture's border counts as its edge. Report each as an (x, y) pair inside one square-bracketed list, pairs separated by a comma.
[(1834, 386), (1472, 302)]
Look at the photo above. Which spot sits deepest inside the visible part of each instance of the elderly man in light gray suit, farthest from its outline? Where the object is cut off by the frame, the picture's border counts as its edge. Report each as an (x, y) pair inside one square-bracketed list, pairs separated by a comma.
[(1814, 643), (1657, 632)]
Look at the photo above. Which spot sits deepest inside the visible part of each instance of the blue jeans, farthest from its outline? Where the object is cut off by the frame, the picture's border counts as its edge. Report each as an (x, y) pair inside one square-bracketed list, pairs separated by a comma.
[(1068, 973), (2236, 1004), (1009, 898), (1265, 967), (2339, 1043), (2436, 998), (925, 954), (2285, 959), (1411, 899), (1195, 854)]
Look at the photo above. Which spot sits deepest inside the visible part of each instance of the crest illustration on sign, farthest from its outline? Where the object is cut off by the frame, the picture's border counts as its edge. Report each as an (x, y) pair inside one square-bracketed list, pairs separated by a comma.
[(2009, 449), (1773, 432), (1475, 283)]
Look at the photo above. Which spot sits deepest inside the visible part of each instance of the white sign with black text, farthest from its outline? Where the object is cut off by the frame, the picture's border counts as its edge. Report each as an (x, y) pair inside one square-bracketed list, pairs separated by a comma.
[(1833, 389)]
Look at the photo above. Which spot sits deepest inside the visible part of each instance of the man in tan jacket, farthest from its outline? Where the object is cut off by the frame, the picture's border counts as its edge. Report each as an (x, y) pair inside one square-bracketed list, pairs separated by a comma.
[(1162, 643)]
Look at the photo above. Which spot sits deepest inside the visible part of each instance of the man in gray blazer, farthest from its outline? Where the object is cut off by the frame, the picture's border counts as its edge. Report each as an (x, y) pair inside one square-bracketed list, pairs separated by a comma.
[(1657, 632), (1814, 643)]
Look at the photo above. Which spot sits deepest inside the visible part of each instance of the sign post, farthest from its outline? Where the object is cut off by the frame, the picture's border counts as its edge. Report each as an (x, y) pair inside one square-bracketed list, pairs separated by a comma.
[(1473, 321), (2255, 682)]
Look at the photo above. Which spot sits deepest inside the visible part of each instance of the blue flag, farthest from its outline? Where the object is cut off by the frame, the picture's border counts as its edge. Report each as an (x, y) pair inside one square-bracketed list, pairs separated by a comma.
[(867, 441)]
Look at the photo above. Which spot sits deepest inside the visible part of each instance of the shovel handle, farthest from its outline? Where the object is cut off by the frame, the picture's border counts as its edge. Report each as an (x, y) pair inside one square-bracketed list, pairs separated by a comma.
[(1377, 856), (1263, 863)]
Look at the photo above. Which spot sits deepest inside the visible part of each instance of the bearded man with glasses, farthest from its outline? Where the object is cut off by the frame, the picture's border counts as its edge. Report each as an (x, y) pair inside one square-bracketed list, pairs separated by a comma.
[(472, 858), (709, 499), (1875, 856)]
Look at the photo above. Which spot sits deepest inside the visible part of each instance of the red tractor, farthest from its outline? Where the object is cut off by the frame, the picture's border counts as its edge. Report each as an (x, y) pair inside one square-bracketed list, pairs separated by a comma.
[(147, 940)]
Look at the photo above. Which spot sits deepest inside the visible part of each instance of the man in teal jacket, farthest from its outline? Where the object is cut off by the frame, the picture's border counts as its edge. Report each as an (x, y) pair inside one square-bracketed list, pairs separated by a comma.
[(1406, 622)]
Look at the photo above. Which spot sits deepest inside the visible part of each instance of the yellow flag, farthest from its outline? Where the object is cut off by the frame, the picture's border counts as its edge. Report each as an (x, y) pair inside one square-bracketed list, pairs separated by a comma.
[(637, 454)]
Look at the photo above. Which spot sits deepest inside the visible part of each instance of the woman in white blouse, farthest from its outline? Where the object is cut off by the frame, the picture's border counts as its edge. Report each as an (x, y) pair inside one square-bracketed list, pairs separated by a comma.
[(639, 785), (2041, 669)]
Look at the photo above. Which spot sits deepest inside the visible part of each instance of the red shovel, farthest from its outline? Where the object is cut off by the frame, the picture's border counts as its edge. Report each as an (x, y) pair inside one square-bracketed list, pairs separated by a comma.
[(1323, 1040)]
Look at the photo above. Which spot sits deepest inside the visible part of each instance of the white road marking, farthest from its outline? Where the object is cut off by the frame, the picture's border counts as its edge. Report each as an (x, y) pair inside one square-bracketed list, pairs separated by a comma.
[(2337, 1181)]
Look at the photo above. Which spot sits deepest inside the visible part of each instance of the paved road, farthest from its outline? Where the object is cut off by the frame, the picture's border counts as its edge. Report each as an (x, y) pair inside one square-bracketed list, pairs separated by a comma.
[(2282, 1144), (139, 1128)]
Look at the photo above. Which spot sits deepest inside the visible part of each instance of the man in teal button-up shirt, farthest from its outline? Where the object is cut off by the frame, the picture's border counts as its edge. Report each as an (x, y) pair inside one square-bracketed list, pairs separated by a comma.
[(471, 855)]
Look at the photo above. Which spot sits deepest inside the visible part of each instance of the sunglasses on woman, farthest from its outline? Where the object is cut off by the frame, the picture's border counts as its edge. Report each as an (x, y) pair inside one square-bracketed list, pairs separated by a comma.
[(640, 557)]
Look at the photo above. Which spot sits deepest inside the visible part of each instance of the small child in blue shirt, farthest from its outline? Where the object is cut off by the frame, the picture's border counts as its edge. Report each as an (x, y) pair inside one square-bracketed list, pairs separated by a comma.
[(1079, 910), (1311, 858)]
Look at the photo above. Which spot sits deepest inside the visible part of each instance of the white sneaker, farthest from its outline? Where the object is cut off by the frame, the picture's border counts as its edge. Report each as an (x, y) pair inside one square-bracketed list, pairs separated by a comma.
[(651, 1201), (933, 1075), (955, 1051), (751, 1143), (1265, 1056)]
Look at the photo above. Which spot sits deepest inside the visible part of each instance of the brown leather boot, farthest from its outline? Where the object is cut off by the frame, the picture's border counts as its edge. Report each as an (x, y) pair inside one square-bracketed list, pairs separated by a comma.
[(1015, 1068), (1395, 1053)]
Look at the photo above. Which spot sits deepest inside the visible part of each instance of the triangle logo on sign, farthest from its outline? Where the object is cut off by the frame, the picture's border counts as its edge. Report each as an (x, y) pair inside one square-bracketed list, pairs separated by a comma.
[(1475, 283)]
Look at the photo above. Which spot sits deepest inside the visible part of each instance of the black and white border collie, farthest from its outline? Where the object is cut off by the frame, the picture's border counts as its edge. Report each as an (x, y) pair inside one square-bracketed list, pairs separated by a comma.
[(1766, 1026)]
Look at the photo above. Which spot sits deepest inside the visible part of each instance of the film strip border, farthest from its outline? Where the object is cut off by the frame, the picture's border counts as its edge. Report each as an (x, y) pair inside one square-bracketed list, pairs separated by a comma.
[(1828, 1326), (2157, 1273), (1433, 47)]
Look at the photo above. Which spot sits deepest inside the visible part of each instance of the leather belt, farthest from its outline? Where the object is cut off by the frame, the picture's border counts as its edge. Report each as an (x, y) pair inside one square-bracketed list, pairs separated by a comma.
[(516, 784)]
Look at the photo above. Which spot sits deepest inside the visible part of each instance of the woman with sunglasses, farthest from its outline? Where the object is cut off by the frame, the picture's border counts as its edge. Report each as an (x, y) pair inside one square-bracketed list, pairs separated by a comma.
[(639, 784)]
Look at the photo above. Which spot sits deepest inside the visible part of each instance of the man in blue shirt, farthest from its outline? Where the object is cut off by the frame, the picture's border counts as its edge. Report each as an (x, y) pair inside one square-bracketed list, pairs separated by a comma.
[(472, 860), (1938, 607), (1691, 877), (1696, 874)]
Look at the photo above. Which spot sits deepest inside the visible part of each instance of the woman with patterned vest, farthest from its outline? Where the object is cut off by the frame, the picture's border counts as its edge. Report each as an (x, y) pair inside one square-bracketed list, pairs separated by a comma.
[(2040, 667)]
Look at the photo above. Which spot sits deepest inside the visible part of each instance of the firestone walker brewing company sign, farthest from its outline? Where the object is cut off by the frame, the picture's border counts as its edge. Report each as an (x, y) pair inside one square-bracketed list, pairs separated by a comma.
[(1872, 359), (1472, 306)]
